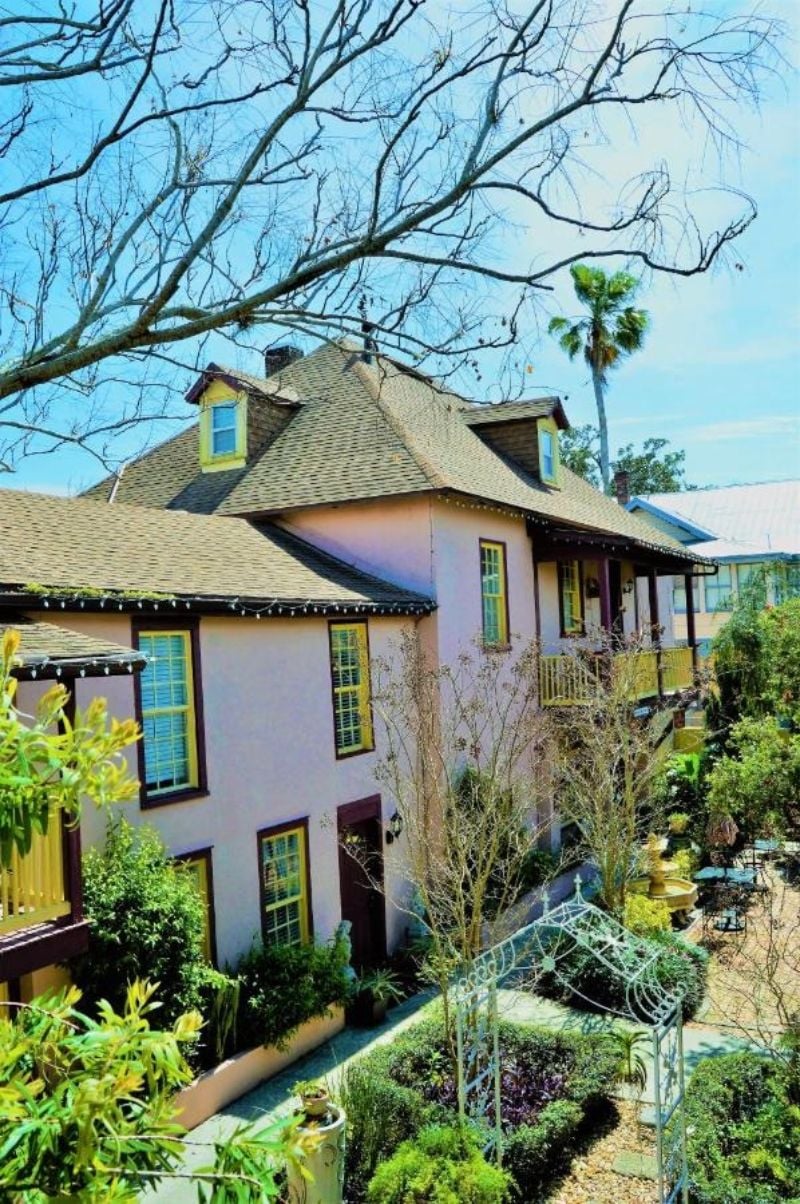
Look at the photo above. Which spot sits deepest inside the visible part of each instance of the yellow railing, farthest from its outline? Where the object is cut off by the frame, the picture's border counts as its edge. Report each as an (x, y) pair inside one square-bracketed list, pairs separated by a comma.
[(641, 670), (563, 680), (677, 671), (33, 889)]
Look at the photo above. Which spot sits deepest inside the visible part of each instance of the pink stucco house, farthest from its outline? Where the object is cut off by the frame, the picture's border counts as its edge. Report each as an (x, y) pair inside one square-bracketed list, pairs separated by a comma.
[(230, 587)]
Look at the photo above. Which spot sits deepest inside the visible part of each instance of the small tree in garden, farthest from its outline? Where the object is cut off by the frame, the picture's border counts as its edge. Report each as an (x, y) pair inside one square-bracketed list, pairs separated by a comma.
[(88, 1108), (606, 767), (758, 785), (465, 755), (49, 763)]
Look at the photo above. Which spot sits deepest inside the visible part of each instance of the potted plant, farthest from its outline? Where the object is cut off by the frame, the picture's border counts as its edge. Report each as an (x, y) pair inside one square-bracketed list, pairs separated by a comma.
[(375, 991), (314, 1098)]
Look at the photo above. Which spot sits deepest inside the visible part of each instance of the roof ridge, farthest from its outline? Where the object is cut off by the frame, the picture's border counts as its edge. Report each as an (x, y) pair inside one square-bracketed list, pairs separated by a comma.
[(400, 429)]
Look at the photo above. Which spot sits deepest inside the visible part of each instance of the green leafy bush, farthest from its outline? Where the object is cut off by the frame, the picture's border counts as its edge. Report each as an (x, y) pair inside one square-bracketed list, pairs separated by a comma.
[(539, 1152), (759, 784), (743, 1132), (285, 985), (442, 1165), (380, 1114), (680, 968), (146, 923), (644, 916)]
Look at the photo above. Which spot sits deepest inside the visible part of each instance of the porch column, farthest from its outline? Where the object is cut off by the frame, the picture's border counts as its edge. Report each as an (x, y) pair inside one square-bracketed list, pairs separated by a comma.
[(606, 618), (655, 626), (690, 629)]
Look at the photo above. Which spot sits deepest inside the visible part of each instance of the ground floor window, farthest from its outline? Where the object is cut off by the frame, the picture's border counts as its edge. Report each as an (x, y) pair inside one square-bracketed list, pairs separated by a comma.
[(284, 878), (198, 865)]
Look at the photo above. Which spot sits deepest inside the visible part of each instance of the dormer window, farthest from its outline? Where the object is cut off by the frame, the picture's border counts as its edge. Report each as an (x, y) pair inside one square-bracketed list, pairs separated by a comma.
[(223, 428), (548, 452)]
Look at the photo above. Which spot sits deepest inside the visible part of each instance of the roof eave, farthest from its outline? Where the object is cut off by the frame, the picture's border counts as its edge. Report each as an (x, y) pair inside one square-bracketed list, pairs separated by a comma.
[(249, 607)]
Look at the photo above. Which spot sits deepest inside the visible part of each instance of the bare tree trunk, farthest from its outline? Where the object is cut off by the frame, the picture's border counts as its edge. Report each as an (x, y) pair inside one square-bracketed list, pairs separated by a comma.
[(602, 424)]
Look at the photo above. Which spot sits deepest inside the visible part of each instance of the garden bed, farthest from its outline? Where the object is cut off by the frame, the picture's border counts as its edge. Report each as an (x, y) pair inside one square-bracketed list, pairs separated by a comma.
[(236, 1076), (555, 1088)]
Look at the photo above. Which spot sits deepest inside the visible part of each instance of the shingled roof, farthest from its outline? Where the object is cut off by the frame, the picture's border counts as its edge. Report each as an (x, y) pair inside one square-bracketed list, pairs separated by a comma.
[(47, 650), (373, 428), (74, 547)]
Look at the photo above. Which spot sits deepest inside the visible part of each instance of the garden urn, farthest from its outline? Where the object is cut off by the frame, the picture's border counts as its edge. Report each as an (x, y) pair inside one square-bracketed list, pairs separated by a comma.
[(324, 1163)]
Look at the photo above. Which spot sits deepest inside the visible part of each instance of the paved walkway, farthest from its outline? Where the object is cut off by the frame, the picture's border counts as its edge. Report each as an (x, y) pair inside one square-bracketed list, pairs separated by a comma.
[(273, 1098)]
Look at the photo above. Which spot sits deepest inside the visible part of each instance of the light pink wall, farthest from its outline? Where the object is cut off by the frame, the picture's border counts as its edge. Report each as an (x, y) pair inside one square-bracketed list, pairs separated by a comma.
[(391, 538), (270, 758)]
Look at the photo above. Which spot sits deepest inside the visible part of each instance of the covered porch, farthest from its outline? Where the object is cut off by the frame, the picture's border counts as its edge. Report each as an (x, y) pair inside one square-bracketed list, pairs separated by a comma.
[(612, 599)]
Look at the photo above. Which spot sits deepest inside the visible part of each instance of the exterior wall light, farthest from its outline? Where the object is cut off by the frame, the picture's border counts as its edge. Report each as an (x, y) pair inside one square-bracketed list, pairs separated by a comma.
[(394, 828)]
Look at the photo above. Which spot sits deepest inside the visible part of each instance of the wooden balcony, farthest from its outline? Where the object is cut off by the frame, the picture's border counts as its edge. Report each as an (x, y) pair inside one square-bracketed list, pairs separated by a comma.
[(569, 681), (34, 890)]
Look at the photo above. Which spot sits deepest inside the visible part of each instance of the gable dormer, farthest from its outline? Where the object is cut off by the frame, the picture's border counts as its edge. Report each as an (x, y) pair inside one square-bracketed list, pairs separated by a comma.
[(524, 432), (239, 415)]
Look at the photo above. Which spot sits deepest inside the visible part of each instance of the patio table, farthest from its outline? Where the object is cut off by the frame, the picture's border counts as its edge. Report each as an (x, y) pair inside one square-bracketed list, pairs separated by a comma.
[(715, 873)]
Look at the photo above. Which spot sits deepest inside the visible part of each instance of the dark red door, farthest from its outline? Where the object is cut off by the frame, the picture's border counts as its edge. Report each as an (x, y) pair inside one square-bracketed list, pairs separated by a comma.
[(361, 880)]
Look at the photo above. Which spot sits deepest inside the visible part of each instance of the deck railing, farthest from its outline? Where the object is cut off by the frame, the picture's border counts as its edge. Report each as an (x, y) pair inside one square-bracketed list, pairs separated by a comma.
[(677, 670), (33, 890), (566, 680)]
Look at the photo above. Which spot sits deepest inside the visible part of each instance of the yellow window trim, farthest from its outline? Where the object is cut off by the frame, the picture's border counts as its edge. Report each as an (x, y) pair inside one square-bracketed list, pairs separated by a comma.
[(188, 709), (569, 583), (218, 393), (549, 424), (497, 599), (197, 864), (302, 898), (361, 690)]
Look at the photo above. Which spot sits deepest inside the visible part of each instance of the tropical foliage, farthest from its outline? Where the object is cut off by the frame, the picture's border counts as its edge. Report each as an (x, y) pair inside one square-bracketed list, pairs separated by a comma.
[(611, 330), (87, 1108), (48, 761), (652, 469), (758, 783)]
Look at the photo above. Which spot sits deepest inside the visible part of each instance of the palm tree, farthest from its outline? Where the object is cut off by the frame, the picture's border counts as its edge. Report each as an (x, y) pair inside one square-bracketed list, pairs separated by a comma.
[(611, 330)]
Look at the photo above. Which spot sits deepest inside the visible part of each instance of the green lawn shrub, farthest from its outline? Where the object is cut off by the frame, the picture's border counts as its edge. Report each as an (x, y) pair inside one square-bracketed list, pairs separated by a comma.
[(146, 923), (283, 986), (553, 1086), (743, 1132), (643, 916), (441, 1165), (680, 967)]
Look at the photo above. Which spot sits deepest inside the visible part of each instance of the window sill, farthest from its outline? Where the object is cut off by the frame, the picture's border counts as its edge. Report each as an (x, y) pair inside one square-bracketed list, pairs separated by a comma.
[(191, 794), (496, 647), (353, 752)]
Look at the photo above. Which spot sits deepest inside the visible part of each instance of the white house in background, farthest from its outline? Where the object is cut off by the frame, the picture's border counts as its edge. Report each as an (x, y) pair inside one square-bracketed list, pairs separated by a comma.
[(742, 527)]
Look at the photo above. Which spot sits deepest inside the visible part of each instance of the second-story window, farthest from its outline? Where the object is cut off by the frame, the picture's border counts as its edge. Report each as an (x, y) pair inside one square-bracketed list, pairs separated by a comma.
[(223, 429), (571, 597), (352, 708), (168, 716), (494, 594)]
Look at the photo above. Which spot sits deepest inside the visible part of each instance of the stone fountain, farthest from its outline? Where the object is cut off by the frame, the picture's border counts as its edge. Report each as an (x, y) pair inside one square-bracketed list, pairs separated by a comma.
[(662, 883)]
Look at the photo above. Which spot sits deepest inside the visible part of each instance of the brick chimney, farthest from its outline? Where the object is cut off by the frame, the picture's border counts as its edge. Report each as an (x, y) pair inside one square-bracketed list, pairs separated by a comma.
[(276, 358), (622, 486)]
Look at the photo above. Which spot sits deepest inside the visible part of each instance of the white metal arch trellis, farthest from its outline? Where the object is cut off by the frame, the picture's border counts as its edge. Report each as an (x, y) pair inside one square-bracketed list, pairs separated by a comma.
[(542, 946)]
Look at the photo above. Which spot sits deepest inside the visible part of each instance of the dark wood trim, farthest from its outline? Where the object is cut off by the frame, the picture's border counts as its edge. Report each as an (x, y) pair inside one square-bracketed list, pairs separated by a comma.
[(606, 611), (71, 840), (42, 945), (359, 810), (691, 635), (275, 830), (205, 854), (565, 635), (655, 626), (355, 752), (200, 790), (484, 540)]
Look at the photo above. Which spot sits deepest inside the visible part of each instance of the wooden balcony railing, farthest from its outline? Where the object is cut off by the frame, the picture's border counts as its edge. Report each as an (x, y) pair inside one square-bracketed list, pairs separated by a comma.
[(566, 681), (676, 669), (33, 890)]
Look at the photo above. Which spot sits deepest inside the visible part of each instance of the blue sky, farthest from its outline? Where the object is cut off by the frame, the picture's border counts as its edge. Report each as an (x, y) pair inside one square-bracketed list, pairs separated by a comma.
[(720, 372)]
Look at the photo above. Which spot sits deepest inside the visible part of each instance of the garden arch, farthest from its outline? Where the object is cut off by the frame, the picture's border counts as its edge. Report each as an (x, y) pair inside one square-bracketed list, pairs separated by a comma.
[(542, 945)]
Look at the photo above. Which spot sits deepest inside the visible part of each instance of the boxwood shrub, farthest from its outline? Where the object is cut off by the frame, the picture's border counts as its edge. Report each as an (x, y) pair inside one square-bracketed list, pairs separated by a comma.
[(680, 967), (442, 1164), (743, 1132), (554, 1088), (282, 986)]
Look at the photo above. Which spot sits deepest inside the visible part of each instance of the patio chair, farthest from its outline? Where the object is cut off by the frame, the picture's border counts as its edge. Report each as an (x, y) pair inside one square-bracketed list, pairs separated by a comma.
[(725, 910)]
